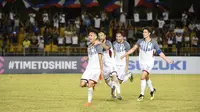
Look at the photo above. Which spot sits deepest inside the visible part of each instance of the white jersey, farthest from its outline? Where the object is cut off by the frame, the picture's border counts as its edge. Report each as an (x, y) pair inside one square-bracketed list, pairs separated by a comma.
[(45, 17), (108, 56), (147, 49), (165, 16), (121, 49), (93, 55), (136, 17), (149, 16)]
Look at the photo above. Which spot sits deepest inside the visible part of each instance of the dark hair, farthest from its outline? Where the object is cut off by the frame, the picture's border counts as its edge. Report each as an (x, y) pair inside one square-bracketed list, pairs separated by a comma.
[(94, 31), (146, 28), (103, 31), (121, 32)]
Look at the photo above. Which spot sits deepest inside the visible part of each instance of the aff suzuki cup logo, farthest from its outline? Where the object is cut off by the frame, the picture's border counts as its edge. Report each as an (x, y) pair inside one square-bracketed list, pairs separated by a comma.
[(1, 65)]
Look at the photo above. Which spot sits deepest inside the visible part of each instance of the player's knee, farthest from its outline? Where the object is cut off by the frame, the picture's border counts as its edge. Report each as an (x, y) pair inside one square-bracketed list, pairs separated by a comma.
[(143, 77), (115, 78), (120, 81), (82, 84), (90, 83)]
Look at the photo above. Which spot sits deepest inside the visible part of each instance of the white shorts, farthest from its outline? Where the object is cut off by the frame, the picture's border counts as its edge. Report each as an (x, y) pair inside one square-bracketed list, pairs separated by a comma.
[(146, 67), (108, 71), (91, 74), (121, 71)]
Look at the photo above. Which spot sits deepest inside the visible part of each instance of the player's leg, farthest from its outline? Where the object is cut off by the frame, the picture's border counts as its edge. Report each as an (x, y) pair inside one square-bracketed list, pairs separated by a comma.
[(93, 79), (116, 85), (85, 78), (143, 85), (90, 92), (152, 90), (149, 82), (127, 76), (83, 83), (123, 76), (107, 78)]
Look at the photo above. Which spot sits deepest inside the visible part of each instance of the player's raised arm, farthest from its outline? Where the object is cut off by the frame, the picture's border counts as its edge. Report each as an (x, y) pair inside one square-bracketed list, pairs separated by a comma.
[(127, 48), (100, 52), (159, 52), (130, 51)]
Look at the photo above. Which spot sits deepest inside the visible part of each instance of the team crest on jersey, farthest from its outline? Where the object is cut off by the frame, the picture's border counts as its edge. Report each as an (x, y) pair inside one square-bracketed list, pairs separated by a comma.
[(119, 47)]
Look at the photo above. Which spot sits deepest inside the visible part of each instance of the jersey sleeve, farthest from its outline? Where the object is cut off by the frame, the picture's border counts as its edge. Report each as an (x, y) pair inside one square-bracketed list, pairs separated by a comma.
[(156, 47), (109, 44), (114, 45), (127, 46), (99, 49), (138, 42)]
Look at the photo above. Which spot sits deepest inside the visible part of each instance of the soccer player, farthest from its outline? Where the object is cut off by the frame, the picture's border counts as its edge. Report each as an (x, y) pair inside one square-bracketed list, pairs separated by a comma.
[(109, 65), (94, 68), (146, 59), (121, 47)]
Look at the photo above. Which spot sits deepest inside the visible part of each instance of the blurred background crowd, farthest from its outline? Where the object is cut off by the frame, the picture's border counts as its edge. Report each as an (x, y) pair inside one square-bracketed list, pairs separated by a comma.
[(27, 29)]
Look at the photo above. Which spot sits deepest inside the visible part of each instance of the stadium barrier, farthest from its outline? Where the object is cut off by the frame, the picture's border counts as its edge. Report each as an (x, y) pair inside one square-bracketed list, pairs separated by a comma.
[(77, 64)]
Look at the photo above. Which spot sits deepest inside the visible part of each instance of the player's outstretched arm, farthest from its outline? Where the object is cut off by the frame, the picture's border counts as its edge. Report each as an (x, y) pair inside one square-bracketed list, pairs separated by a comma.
[(162, 55), (101, 65), (130, 51)]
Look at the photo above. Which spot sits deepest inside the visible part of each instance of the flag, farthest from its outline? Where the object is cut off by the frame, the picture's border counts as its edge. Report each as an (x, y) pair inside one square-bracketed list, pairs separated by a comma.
[(72, 4), (191, 9), (29, 4), (10, 1), (90, 3), (56, 3), (160, 4), (112, 5), (2, 3), (146, 3)]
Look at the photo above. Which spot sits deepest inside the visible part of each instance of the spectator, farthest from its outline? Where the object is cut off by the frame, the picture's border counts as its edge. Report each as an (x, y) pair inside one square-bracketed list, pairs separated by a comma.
[(45, 17), (198, 31), (184, 17), (55, 36), (194, 44), (165, 15), (104, 18), (170, 40), (136, 18), (56, 21), (74, 39), (97, 22), (26, 45), (149, 16), (34, 45), (68, 36), (32, 18), (41, 45), (77, 23), (122, 19), (62, 19), (179, 40)]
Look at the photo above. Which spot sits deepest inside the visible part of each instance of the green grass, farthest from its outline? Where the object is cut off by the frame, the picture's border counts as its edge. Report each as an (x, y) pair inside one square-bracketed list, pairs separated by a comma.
[(61, 93)]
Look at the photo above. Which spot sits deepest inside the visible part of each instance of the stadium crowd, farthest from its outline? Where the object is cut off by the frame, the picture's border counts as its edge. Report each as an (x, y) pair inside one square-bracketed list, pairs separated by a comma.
[(54, 32)]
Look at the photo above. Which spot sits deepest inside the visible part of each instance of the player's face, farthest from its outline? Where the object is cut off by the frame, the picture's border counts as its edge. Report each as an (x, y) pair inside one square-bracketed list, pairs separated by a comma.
[(119, 37), (145, 33), (102, 36), (92, 37)]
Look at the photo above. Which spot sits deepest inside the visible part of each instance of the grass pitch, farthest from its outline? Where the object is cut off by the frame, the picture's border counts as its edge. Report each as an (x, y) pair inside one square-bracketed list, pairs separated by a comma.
[(61, 93)]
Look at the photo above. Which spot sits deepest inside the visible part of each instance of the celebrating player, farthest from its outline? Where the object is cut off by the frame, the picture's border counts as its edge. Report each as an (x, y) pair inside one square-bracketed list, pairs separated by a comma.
[(146, 59), (109, 65), (121, 47), (94, 67)]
